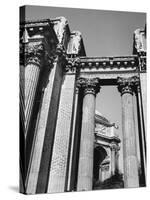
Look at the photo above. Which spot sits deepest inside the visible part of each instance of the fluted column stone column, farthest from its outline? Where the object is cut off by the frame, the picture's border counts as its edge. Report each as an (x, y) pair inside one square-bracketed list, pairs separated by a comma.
[(85, 171), (34, 56), (73, 138), (142, 138), (126, 87)]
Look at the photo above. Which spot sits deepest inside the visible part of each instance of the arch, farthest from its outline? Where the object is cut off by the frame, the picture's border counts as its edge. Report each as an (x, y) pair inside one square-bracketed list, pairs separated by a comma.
[(99, 155)]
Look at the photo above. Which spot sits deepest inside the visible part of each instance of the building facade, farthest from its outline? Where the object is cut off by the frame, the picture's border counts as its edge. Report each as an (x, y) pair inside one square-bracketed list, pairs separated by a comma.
[(65, 145)]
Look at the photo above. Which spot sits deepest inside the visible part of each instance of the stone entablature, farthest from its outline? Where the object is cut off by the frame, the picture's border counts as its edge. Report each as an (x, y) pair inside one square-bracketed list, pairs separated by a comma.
[(107, 62)]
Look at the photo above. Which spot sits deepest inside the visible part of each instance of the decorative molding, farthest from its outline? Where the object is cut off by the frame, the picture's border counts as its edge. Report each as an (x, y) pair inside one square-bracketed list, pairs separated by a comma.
[(127, 85), (88, 85), (109, 65), (72, 63)]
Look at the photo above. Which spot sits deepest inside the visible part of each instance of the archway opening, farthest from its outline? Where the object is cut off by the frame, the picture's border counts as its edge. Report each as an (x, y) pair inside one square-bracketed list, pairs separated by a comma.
[(99, 155)]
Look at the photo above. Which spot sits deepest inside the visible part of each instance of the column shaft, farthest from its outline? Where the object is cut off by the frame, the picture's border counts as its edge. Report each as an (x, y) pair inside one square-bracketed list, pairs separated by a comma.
[(41, 154), (142, 139), (113, 161), (117, 161), (85, 169), (85, 173), (69, 185), (31, 80), (143, 85), (22, 95), (131, 178)]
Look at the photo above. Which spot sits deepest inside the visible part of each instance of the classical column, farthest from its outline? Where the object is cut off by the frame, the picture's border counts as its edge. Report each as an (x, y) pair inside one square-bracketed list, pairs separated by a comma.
[(113, 158), (33, 60), (42, 150), (72, 139), (143, 86), (117, 160), (126, 87), (85, 170), (142, 139)]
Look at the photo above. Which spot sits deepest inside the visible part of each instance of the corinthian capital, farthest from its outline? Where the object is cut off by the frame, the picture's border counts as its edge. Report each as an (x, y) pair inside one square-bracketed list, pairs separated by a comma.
[(34, 53), (89, 85), (127, 85)]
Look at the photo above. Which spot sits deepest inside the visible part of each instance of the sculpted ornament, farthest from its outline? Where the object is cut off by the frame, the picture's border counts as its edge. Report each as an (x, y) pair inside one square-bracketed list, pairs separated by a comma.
[(72, 63), (138, 40), (60, 27), (127, 85), (89, 85), (34, 53), (76, 42)]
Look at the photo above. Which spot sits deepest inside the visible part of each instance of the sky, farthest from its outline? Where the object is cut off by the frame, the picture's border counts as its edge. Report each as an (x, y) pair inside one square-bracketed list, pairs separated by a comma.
[(105, 33)]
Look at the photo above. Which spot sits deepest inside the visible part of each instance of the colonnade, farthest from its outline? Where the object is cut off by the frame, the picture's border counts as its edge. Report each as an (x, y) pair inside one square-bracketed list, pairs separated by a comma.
[(90, 87)]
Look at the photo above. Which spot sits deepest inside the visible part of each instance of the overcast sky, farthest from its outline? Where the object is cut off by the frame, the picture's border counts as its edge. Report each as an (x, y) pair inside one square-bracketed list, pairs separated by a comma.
[(105, 33)]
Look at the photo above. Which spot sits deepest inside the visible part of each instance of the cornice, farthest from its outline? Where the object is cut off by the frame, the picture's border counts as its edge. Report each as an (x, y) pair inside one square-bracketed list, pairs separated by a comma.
[(39, 27), (35, 23), (108, 62)]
